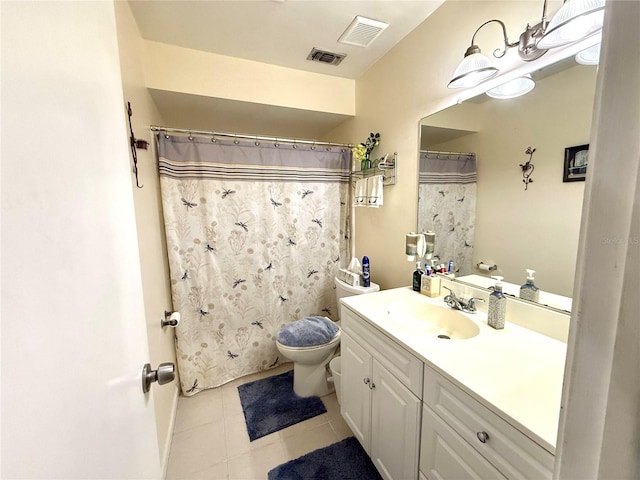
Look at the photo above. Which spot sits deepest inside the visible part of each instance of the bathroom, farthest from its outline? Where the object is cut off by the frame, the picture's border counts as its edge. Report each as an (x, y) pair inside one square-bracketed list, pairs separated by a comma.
[(391, 97)]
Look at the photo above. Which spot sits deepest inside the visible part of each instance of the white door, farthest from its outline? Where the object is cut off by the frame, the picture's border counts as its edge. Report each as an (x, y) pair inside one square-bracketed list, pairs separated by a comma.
[(395, 426), (355, 405), (73, 328)]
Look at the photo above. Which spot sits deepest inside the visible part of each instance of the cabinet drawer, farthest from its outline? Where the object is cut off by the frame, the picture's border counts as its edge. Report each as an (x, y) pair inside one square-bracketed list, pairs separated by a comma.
[(444, 455), (402, 364), (509, 450)]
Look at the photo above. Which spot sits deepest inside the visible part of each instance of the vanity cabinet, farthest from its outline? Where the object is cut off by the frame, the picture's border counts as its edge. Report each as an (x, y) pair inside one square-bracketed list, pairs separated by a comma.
[(461, 438), (381, 390)]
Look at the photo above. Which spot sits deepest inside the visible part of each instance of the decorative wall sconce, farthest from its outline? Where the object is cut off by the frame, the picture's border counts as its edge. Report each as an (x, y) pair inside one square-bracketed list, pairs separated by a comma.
[(576, 20), (527, 168)]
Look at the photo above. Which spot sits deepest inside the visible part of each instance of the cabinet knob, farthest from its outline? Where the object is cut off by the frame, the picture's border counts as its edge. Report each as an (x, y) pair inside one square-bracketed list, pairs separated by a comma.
[(483, 436), (372, 385), (366, 380)]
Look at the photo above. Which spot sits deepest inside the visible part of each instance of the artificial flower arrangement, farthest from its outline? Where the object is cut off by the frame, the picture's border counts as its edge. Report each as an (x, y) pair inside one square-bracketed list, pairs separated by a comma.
[(362, 152)]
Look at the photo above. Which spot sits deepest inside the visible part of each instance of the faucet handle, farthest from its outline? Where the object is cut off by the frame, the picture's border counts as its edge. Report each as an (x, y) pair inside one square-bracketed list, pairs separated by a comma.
[(471, 305), (451, 292)]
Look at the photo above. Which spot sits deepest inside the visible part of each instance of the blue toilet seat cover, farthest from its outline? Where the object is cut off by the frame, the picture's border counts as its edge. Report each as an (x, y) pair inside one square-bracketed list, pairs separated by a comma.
[(308, 332)]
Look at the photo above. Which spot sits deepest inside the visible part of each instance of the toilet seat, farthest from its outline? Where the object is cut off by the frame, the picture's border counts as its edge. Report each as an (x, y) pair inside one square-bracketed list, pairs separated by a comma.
[(335, 340)]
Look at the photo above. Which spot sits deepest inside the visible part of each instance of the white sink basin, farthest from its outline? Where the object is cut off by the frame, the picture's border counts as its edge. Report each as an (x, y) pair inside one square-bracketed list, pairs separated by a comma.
[(434, 320)]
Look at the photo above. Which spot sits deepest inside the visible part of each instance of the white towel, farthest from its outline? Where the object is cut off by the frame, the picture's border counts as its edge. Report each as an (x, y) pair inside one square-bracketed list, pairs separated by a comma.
[(360, 198), (374, 191)]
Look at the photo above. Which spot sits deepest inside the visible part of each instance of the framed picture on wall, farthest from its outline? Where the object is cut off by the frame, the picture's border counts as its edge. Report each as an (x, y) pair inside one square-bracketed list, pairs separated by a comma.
[(575, 163)]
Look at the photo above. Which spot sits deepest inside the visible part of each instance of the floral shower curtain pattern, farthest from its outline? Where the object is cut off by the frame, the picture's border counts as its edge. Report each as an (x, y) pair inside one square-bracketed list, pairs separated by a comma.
[(255, 234), (447, 205)]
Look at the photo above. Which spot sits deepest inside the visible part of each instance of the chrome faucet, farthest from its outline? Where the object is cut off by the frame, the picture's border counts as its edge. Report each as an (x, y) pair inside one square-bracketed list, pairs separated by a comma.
[(456, 303)]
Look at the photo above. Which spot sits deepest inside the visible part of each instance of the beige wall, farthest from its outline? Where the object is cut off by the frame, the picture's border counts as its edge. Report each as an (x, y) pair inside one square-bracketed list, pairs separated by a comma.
[(535, 228), (410, 83), (150, 223), (184, 70)]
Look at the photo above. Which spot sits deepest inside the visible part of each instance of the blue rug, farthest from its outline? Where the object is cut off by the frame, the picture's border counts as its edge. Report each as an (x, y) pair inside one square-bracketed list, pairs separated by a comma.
[(340, 461), (270, 405)]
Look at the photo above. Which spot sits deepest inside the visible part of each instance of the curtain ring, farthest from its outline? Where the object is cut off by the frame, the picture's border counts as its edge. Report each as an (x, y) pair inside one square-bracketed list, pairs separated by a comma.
[(166, 135), (276, 144), (213, 139), (190, 137), (313, 147), (295, 146), (257, 143), (235, 140)]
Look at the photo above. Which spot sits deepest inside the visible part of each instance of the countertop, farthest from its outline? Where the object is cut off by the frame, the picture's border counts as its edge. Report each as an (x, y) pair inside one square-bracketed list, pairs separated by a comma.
[(515, 372)]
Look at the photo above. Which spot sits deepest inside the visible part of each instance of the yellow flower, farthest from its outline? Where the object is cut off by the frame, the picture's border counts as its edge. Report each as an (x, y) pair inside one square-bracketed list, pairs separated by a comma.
[(359, 152)]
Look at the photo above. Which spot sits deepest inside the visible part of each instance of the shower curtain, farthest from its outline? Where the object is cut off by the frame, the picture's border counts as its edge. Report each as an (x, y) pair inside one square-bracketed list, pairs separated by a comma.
[(255, 234), (447, 205)]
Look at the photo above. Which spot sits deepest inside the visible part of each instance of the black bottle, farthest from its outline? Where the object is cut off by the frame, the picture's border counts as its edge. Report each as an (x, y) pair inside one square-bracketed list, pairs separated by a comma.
[(417, 277)]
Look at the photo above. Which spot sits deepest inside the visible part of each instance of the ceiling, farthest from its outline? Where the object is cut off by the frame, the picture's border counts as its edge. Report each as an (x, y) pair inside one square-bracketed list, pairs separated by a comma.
[(280, 32), (273, 32)]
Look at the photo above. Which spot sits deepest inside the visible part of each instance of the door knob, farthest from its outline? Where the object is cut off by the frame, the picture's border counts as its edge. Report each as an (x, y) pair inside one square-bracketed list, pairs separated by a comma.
[(164, 374)]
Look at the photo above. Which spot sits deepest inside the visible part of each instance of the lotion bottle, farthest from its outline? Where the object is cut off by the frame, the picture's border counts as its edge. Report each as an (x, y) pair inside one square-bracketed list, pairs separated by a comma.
[(529, 291), (497, 306)]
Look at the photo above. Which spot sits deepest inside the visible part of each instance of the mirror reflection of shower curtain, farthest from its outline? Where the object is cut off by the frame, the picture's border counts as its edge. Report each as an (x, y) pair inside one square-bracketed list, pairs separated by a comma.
[(447, 205), (255, 235)]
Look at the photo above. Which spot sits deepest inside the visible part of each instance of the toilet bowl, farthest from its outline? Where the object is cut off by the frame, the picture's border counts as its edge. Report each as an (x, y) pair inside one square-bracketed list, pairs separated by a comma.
[(310, 366), (311, 343)]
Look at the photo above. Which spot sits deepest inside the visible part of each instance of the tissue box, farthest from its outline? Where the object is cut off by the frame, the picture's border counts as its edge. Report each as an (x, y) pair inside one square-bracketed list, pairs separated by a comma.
[(430, 285), (348, 277)]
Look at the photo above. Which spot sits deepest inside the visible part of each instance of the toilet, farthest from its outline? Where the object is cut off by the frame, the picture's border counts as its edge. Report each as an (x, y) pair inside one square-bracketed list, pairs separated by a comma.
[(312, 342)]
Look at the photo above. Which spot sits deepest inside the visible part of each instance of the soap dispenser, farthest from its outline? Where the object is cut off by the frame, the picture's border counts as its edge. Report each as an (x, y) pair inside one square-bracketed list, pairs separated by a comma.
[(529, 291), (497, 306)]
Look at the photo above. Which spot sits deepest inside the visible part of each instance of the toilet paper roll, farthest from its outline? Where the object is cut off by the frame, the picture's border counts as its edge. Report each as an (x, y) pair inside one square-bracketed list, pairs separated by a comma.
[(486, 268), (175, 317)]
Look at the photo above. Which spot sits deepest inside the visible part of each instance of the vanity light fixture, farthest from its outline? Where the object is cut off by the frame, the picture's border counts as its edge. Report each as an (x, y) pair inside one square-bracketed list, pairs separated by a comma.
[(513, 88), (576, 20)]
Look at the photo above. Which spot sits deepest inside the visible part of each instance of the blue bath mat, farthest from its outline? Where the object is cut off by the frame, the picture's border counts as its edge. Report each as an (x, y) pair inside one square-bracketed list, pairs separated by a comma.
[(270, 404), (340, 461)]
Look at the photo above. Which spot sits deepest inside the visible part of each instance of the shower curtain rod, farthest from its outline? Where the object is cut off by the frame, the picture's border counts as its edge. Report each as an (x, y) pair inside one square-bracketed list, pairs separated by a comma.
[(437, 152), (294, 141)]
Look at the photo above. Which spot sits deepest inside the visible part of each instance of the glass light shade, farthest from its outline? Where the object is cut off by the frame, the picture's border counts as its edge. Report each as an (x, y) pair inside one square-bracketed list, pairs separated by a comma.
[(513, 88), (576, 19), (590, 56), (472, 70)]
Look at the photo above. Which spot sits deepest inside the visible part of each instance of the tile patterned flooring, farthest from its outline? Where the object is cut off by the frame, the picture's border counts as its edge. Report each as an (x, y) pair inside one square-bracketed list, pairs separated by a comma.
[(210, 440)]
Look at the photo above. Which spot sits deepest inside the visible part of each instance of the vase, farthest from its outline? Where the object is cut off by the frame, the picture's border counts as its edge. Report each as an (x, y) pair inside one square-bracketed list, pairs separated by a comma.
[(366, 163)]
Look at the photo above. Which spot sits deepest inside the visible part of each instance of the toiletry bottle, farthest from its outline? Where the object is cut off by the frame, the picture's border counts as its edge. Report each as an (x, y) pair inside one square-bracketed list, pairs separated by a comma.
[(366, 273), (529, 291), (497, 306), (417, 277)]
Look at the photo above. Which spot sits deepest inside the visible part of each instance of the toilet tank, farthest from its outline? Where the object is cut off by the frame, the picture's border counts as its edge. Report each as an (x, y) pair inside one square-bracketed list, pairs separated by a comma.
[(345, 290)]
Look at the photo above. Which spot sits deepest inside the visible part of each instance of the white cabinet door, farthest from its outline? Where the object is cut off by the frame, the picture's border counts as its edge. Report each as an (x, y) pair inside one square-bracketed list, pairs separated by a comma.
[(356, 395), (444, 455), (395, 426)]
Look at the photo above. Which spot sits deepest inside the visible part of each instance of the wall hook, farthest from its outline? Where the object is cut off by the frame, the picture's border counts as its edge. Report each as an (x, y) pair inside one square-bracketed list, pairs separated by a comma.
[(527, 168)]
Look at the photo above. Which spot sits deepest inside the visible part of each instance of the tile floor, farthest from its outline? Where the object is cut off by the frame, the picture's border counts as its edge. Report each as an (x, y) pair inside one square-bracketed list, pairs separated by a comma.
[(210, 440)]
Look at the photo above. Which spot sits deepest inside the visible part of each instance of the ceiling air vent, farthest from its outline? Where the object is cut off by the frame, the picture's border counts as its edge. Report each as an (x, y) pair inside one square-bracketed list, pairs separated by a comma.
[(362, 31), (323, 56)]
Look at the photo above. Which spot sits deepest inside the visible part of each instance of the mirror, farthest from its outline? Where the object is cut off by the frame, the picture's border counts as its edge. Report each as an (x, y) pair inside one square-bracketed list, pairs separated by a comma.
[(515, 225)]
